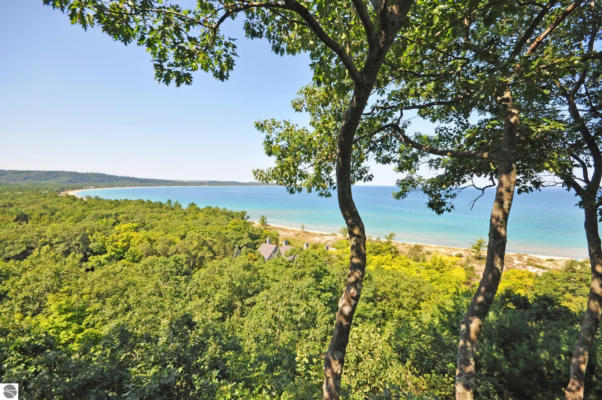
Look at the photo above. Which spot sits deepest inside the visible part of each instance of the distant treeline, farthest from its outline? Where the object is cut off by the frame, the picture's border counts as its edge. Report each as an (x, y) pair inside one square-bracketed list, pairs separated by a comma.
[(72, 179)]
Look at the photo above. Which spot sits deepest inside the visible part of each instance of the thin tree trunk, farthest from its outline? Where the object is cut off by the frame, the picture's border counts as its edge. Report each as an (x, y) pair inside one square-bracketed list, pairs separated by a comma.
[(583, 348), (391, 19), (470, 326), (334, 358), (591, 320)]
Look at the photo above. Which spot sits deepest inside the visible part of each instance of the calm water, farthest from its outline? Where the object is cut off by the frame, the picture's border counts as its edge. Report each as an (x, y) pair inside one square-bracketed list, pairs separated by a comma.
[(546, 222)]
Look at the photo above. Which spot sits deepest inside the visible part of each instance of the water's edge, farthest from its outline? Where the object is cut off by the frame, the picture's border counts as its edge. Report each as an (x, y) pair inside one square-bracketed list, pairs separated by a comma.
[(543, 223)]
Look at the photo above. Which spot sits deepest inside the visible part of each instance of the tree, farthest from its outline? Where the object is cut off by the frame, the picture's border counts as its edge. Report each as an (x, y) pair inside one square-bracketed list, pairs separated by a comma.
[(477, 248), (348, 48), (263, 221), (577, 160), (389, 237), (479, 67), (483, 61)]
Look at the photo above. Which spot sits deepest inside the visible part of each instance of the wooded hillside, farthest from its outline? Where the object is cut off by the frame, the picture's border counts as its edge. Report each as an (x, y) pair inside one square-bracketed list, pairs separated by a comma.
[(79, 179)]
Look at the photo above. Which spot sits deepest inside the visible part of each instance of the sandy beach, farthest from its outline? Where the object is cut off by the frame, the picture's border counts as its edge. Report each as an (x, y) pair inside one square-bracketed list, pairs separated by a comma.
[(529, 262), (71, 193)]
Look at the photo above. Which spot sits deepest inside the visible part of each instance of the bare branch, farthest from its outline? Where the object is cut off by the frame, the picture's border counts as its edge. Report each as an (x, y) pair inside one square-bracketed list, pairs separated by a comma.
[(370, 135), (426, 75), (435, 103), (583, 166), (589, 139), (481, 189)]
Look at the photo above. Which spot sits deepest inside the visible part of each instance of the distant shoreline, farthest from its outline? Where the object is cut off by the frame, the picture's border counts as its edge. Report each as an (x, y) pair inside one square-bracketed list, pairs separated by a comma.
[(543, 258), (74, 192)]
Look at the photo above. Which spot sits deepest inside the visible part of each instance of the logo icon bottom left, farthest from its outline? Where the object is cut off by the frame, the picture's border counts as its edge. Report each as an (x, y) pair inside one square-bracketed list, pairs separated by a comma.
[(9, 391)]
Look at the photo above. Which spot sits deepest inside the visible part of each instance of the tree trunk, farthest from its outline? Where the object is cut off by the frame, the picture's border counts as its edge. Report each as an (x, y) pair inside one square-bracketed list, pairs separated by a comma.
[(591, 320), (334, 358), (392, 19), (583, 348), (470, 326)]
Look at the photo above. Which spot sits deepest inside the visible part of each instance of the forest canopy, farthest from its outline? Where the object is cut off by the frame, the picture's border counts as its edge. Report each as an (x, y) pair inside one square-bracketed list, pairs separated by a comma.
[(143, 300)]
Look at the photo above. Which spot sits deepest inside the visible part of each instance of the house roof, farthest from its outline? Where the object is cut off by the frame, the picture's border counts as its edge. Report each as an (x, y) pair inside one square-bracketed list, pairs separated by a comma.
[(284, 250), (268, 251)]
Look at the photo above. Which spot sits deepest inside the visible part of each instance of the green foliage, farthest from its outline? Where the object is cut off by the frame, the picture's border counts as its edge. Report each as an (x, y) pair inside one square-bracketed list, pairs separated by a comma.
[(416, 253), (477, 248), (463, 65), (143, 300), (389, 237), (263, 221)]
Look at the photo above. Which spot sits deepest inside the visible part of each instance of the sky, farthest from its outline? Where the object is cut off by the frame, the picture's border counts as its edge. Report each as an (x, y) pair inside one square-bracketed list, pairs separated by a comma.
[(79, 101)]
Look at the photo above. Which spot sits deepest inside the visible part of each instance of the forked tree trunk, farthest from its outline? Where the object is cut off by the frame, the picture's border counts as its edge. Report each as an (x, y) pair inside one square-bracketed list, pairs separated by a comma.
[(334, 358), (470, 326), (591, 320)]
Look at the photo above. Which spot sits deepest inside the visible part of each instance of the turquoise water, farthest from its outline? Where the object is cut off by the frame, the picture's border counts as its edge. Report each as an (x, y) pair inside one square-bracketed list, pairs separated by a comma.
[(546, 222)]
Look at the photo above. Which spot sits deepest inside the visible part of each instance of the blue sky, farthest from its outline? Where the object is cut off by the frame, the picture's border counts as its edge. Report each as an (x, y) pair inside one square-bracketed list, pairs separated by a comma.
[(76, 100)]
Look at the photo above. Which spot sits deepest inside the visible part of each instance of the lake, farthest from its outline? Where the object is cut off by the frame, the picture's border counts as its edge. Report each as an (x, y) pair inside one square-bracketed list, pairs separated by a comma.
[(546, 222)]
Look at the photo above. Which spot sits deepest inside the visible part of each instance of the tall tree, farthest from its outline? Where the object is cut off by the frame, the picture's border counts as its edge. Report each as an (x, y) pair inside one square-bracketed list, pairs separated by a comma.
[(576, 158), (347, 44), (480, 69), (494, 59), (473, 68)]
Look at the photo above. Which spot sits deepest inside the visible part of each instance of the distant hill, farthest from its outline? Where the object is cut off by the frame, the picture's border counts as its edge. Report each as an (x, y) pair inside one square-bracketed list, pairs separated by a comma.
[(79, 179)]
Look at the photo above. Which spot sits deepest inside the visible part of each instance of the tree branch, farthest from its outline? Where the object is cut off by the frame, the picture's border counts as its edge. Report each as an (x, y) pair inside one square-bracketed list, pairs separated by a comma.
[(435, 103), (529, 31), (481, 189), (590, 49), (315, 26), (583, 166), (362, 12), (553, 26), (400, 134), (589, 139), (576, 186)]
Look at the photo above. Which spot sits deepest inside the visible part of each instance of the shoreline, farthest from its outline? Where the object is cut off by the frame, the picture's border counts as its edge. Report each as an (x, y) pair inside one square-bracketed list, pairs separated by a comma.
[(451, 248), (322, 236), (72, 192), (535, 263)]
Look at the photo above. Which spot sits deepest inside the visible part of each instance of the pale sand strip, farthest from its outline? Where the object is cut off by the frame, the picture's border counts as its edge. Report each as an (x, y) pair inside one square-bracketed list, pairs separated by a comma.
[(530, 262)]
